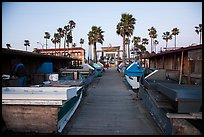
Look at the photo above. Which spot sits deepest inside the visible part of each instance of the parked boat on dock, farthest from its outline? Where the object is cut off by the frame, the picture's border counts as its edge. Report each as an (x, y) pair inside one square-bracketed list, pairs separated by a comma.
[(132, 73), (39, 109), (174, 107)]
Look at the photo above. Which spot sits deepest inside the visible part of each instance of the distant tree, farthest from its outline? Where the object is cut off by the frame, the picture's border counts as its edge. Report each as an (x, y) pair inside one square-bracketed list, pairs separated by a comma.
[(35, 50), (136, 41), (27, 43), (156, 42), (94, 36), (60, 35), (74, 45), (175, 31), (47, 36), (199, 31), (68, 33), (167, 36), (125, 28), (81, 41), (153, 35), (145, 41), (8, 46), (55, 40)]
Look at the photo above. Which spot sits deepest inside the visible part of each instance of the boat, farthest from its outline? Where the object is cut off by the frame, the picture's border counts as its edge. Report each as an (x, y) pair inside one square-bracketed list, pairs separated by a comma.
[(75, 77), (86, 70), (132, 73), (98, 68), (176, 108), (39, 109)]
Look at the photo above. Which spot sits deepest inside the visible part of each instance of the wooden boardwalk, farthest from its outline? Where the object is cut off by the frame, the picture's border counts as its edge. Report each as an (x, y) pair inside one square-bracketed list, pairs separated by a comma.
[(110, 108)]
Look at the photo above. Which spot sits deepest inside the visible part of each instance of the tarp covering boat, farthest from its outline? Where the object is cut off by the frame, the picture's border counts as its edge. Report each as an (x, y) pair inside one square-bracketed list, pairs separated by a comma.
[(133, 72), (134, 69)]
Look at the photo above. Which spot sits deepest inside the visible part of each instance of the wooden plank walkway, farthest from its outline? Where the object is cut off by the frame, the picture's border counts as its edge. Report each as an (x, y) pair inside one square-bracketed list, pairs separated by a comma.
[(110, 108)]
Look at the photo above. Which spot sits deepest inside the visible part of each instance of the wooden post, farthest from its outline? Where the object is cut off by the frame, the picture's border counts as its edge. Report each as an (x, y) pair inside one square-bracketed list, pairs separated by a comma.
[(181, 68), (189, 72)]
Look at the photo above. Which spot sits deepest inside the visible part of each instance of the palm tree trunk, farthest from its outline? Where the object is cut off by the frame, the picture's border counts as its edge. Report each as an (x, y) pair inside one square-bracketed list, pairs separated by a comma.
[(151, 45), (59, 46), (166, 45), (129, 51), (124, 48), (95, 55), (175, 41), (26, 48), (55, 49), (200, 37), (68, 48), (64, 44), (46, 43)]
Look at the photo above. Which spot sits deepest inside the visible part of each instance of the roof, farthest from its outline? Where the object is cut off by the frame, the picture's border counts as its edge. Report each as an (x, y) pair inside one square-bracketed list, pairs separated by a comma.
[(61, 49), (31, 54), (175, 51)]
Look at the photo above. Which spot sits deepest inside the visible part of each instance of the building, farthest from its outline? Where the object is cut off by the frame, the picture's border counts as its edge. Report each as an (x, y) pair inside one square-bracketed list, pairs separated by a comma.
[(76, 52), (184, 63), (32, 62)]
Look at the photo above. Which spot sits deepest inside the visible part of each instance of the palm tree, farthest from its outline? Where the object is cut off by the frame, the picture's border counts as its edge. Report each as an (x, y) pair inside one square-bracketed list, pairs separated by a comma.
[(47, 36), (167, 36), (8, 46), (27, 43), (156, 42), (199, 31), (145, 41), (94, 36), (69, 39), (127, 42), (74, 45), (55, 40), (72, 25), (60, 35), (136, 41), (153, 35), (175, 31), (65, 30), (125, 28), (68, 33), (81, 41)]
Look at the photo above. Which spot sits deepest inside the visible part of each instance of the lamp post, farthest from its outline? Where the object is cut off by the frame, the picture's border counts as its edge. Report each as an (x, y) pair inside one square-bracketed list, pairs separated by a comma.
[(41, 44)]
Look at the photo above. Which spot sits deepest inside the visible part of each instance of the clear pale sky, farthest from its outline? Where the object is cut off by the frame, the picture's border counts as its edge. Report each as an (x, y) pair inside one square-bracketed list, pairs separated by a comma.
[(30, 20)]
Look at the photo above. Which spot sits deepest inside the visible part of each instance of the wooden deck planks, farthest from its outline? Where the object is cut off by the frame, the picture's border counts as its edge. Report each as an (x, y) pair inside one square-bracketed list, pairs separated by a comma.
[(110, 109)]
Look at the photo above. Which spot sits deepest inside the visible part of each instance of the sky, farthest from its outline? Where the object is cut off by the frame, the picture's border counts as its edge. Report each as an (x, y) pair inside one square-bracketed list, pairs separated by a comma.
[(30, 20)]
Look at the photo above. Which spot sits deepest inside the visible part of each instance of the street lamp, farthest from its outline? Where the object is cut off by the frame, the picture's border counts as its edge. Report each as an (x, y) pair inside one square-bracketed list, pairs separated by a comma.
[(41, 44)]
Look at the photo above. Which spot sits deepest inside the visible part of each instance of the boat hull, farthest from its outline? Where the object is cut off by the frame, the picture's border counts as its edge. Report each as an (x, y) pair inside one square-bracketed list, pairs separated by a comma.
[(133, 81), (39, 115)]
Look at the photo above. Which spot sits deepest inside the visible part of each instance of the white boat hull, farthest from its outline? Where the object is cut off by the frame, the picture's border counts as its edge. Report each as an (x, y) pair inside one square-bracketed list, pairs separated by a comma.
[(39, 109), (133, 81)]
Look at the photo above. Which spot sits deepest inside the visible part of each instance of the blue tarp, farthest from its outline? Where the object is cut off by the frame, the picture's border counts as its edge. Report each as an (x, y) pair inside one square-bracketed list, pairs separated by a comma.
[(134, 69), (46, 67)]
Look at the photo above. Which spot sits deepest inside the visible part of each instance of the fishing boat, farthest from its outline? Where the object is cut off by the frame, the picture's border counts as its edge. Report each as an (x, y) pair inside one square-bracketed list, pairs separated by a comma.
[(132, 73), (39, 109)]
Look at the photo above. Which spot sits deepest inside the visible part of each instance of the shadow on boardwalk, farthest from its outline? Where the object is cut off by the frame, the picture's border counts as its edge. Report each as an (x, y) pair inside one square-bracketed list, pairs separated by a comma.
[(110, 108)]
